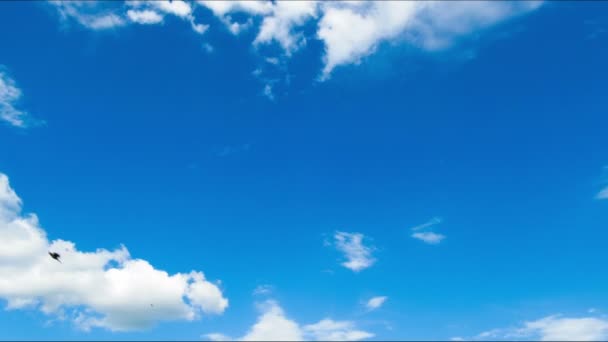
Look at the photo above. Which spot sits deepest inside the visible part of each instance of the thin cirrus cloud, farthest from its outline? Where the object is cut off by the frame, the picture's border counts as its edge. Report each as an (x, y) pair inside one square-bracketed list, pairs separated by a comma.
[(552, 328), (603, 194), (274, 325), (422, 233), (349, 30), (375, 303), (105, 289), (358, 256), (10, 95), (429, 237)]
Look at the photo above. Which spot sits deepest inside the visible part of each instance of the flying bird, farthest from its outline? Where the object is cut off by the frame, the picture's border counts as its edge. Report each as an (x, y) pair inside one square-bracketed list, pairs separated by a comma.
[(55, 256)]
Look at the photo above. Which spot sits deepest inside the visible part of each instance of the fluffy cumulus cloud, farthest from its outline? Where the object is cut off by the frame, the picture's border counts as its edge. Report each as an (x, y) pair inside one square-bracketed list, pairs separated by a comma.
[(103, 288), (349, 30), (274, 325), (354, 29), (358, 256), (10, 95), (375, 302), (553, 328)]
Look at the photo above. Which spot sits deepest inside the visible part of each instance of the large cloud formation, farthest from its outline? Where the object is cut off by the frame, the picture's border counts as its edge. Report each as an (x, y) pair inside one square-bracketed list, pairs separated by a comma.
[(107, 289), (349, 30)]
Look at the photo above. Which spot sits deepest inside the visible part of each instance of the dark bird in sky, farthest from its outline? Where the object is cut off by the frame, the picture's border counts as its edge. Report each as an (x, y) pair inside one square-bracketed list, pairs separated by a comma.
[(55, 256)]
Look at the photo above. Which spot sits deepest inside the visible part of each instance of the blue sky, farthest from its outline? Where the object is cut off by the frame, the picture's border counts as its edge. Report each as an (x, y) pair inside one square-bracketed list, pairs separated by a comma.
[(342, 170)]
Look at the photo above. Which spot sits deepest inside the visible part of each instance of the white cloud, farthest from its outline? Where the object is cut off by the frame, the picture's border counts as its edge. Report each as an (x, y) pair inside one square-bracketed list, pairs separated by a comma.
[(90, 14), (176, 7), (602, 194), (144, 17), (429, 237), (375, 302), (253, 7), (98, 15), (107, 289), (198, 28), (9, 97), (216, 337), (554, 328), (329, 330), (358, 256), (280, 25), (354, 30), (274, 325), (349, 30), (224, 9)]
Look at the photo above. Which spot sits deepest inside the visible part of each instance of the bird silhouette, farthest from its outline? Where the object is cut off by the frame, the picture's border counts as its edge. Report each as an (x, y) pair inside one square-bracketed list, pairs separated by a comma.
[(55, 256)]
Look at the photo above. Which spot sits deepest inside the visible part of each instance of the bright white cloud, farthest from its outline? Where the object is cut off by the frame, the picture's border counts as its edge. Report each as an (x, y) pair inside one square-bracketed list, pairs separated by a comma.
[(375, 302), (176, 7), (274, 325), (429, 237), (224, 10), (9, 97), (349, 30), (144, 16), (554, 328), (98, 15), (280, 25), (358, 256), (107, 289), (253, 7), (354, 30)]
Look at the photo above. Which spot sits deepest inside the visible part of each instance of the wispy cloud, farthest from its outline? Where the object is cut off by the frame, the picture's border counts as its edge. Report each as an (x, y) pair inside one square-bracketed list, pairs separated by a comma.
[(603, 194), (552, 328), (10, 95), (274, 325), (375, 302), (428, 237), (263, 290), (430, 223), (358, 256), (106, 289), (268, 92), (229, 150)]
